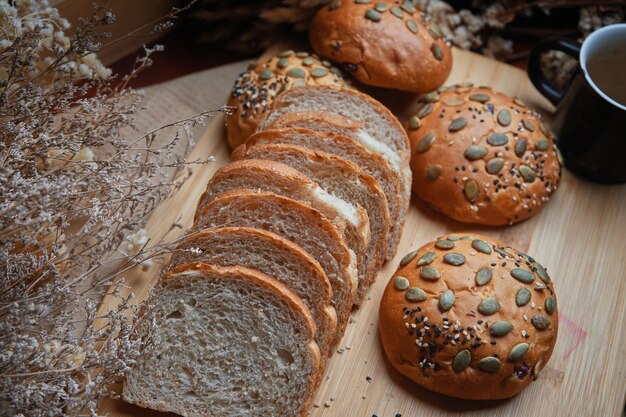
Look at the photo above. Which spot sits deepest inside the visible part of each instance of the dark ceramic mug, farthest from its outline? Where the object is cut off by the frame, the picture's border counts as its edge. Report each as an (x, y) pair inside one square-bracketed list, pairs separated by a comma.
[(590, 118)]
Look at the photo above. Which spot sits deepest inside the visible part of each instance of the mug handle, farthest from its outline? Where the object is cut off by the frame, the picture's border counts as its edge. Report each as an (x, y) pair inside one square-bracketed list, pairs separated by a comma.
[(538, 78)]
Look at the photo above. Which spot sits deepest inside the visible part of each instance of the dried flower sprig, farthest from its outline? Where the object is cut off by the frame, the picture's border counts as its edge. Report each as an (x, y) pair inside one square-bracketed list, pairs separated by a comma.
[(77, 182)]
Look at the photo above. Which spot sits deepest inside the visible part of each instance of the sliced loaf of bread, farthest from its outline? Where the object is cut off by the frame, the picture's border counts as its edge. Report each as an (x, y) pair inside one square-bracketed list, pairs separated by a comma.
[(342, 179), (297, 222), (225, 341), (345, 147), (272, 255)]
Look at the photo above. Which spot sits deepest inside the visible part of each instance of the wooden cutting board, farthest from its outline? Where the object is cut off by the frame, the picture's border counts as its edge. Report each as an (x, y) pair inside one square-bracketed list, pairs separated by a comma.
[(580, 236)]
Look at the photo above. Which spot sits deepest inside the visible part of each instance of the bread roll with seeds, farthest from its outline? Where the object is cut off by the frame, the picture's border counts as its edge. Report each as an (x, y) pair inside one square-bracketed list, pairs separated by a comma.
[(255, 89), (274, 256), (250, 353), (347, 148), (387, 44), (482, 157), (469, 317), (345, 180), (298, 222)]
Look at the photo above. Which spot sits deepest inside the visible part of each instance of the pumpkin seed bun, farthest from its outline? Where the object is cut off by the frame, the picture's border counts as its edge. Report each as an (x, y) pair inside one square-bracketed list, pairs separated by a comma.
[(255, 89), (382, 43), (482, 157), (469, 317)]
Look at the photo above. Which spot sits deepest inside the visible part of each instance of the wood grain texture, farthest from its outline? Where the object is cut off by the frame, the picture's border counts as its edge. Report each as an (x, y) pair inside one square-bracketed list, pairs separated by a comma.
[(580, 236)]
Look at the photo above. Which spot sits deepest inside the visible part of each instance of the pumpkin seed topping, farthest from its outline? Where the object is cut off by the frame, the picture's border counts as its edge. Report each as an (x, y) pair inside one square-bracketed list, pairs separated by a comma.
[(522, 297), (495, 165), (437, 52), (433, 172), (401, 283), (296, 72), (430, 273), (373, 15), (446, 300), (497, 139), (550, 305), (327, 63), (457, 124), (425, 110), (415, 294), (362, 1), (471, 191), (396, 11), (444, 244), (302, 54), (527, 173), (522, 275), (431, 97), (307, 62), (483, 276), (519, 102), (543, 275), (518, 351), (426, 259), (462, 360), (504, 117), (481, 246), (285, 54), (544, 128), (520, 148), (453, 102), (500, 328), (381, 7), (528, 125), (266, 75), (408, 7), (319, 72), (425, 143), (481, 98), (411, 25), (540, 321), (475, 152), (414, 123), (408, 258), (488, 306), (489, 364), (455, 259), (282, 63), (542, 144)]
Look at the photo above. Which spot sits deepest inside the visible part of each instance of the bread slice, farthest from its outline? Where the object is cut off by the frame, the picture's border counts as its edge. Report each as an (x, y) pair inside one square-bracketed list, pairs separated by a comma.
[(342, 179), (350, 113), (272, 255), (297, 222), (281, 179), (225, 341), (347, 148)]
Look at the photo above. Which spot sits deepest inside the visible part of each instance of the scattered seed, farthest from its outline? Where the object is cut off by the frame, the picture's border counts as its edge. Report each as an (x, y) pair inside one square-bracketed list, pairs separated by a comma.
[(528, 125), (411, 25), (334, 5), (363, 1), (471, 191), (373, 15), (296, 72), (518, 351), (457, 124), (489, 306), (495, 165), (462, 360), (545, 129), (453, 102), (527, 173), (319, 72), (489, 364), (550, 305), (431, 97), (522, 297), (282, 63), (500, 328), (504, 117), (408, 258), (446, 300), (481, 246), (455, 259), (425, 110), (475, 152), (520, 148), (408, 7), (497, 139), (444, 244), (519, 102), (426, 259), (522, 275), (433, 172), (542, 144), (285, 54), (543, 275), (540, 321), (307, 62), (414, 123), (430, 273), (266, 75), (415, 294), (381, 7), (437, 52), (396, 11), (481, 98), (401, 283), (483, 276), (425, 143)]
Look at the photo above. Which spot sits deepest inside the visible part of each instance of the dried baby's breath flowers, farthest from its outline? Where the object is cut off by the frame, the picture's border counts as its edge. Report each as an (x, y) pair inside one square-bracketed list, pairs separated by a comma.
[(76, 184)]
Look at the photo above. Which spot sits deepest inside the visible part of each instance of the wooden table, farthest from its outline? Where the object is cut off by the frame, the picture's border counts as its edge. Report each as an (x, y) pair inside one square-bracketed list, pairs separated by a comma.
[(580, 236)]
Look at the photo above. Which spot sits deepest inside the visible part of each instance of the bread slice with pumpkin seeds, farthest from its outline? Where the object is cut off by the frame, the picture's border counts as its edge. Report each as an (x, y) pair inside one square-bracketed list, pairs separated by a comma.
[(295, 221), (343, 179), (270, 254), (225, 341), (351, 150)]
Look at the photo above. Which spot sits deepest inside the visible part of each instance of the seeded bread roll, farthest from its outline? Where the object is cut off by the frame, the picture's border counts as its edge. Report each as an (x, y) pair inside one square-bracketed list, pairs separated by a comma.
[(482, 157), (469, 317), (382, 43), (255, 89)]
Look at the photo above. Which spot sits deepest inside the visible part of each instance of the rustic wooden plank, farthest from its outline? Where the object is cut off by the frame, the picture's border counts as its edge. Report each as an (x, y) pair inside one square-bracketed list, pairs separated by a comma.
[(580, 237)]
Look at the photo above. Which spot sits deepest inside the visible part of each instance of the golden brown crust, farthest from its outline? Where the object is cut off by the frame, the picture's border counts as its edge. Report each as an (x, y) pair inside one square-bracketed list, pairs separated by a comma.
[(422, 341), (291, 299), (387, 44), (255, 89), (456, 179)]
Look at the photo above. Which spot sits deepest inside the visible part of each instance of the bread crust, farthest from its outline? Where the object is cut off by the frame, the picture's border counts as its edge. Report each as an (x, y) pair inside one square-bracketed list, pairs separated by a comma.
[(397, 47), (404, 321), (255, 88), (460, 185)]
